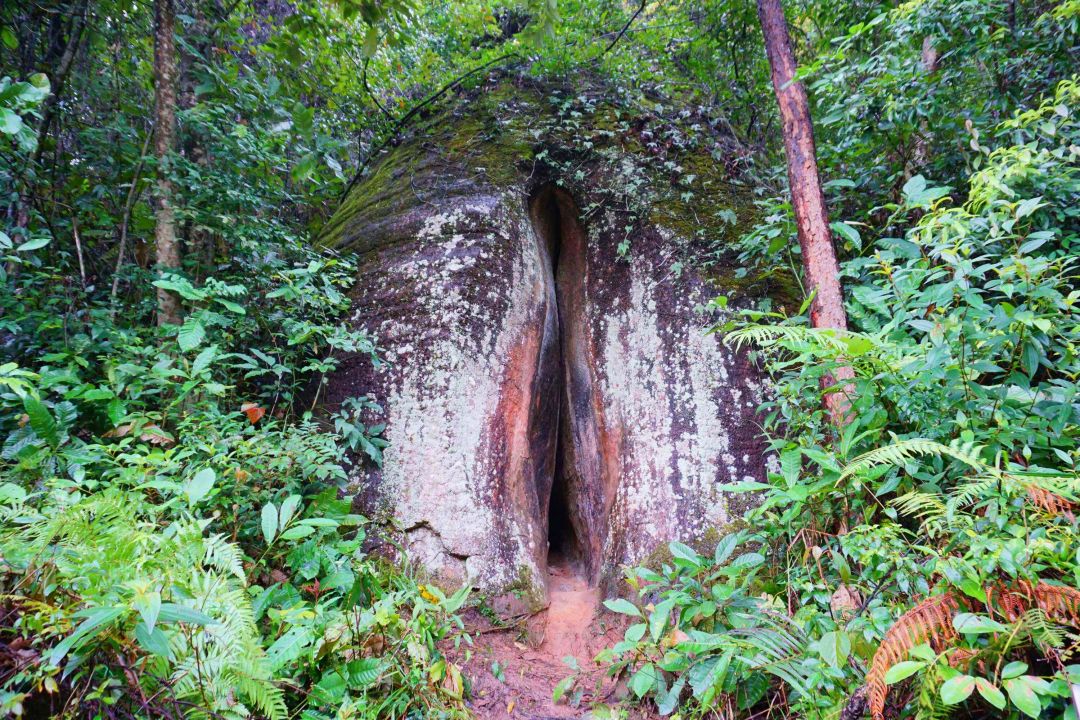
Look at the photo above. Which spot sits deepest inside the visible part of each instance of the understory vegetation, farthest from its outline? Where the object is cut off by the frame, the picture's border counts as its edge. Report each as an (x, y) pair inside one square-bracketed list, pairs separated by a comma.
[(173, 538)]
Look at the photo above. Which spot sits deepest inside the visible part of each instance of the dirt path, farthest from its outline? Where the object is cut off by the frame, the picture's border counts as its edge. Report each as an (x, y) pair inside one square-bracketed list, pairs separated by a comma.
[(513, 671)]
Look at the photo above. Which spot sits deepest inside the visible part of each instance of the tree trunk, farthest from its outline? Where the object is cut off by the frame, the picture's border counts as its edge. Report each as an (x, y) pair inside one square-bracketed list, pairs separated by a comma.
[(920, 153), (811, 216), (165, 241), (59, 75)]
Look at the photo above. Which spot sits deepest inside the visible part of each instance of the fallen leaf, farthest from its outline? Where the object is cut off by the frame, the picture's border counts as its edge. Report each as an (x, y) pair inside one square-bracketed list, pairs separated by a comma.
[(253, 411)]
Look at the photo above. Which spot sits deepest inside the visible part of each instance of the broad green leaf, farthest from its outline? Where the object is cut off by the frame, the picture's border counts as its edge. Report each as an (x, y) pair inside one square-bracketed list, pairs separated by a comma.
[(1023, 696), (903, 670), (269, 522), (726, 546), (990, 693), (41, 420), (197, 488), (635, 632), (957, 689), (35, 244), (153, 641), (149, 607), (976, 624), (288, 507), (684, 552), (658, 619), (643, 680), (622, 606), (1014, 669), (172, 612), (190, 335), (94, 622), (297, 532), (562, 687), (849, 234), (204, 359), (834, 648)]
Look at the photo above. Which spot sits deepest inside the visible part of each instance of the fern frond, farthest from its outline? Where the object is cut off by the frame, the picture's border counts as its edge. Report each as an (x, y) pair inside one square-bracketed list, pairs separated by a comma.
[(935, 515), (224, 556), (929, 621), (905, 450), (1043, 632), (767, 335)]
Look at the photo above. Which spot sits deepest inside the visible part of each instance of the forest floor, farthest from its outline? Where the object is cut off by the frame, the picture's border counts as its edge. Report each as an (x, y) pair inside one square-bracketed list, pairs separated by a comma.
[(514, 669)]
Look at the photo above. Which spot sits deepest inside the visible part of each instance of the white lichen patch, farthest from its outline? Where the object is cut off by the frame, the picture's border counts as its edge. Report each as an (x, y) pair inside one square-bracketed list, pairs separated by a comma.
[(438, 473), (662, 386)]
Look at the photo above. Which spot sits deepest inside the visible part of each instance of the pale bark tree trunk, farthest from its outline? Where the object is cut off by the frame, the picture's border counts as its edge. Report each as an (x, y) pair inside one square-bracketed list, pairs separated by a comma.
[(920, 153), (820, 268), (165, 241)]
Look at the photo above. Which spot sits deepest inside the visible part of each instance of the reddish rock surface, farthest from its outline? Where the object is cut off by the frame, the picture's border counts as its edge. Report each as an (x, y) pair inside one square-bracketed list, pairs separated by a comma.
[(526, 358)]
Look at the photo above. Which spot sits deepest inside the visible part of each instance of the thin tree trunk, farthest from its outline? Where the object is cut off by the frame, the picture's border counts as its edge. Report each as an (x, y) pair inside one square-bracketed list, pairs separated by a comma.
[(920, 153), (125, 219), (166, 245), (808, 201), (59, 76)]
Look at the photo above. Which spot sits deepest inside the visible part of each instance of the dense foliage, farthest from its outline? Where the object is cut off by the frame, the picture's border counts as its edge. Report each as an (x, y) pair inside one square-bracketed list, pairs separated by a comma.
[(172, 542)]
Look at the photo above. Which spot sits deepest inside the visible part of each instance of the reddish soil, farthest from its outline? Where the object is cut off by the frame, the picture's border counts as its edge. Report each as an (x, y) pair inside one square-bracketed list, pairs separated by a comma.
[(529, 656)]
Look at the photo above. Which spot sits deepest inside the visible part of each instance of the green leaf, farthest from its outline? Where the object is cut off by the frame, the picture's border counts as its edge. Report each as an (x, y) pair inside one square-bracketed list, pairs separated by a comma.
[(198, 486), (269, 522), (903, 670), (849, 234), (371, 41), (96, 620), (1029, 206), (10, 122), (685, 553), (288, 508), (658, 619), (149, 607), (726, 546), (990, 693), (35, 244), (957, 689), (667, 702), (643, 680), (1023, 696), (41, 420), (297, 532), (231, 306), (976, 624), (834, 648), (190, 335), (172, 612), (624, 607), (153, 641), (1014, 669), (562, 687), (364, 672), (635, 632), (204, 359)]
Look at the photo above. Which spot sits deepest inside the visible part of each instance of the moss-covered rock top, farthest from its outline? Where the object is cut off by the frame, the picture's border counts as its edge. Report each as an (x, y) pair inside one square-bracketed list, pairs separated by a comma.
[(657, 164)]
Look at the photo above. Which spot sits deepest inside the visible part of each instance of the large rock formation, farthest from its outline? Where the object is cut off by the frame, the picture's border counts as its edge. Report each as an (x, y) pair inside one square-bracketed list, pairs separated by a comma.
[(527, 268)]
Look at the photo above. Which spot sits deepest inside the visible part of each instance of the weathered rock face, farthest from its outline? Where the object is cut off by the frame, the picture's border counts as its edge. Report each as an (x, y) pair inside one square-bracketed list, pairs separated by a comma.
[(544, 394)]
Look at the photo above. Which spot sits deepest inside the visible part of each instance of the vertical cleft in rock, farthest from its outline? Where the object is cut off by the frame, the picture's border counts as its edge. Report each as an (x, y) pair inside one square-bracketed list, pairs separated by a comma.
[(565, 424), (554, 408)]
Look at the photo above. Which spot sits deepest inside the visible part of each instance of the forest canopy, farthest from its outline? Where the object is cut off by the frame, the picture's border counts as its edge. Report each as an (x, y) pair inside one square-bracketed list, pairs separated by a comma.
[(173, 542)]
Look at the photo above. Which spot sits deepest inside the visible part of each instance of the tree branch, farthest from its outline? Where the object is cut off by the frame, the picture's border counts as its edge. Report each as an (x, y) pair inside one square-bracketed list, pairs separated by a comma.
[(625, 27), (400, 124)]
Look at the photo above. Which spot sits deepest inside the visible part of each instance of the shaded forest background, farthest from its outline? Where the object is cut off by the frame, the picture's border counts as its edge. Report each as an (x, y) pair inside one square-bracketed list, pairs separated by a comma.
[(171, 541)]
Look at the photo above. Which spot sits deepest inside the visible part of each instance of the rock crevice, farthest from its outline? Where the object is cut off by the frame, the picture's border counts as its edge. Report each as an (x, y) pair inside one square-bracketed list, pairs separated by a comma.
[(548, 396)]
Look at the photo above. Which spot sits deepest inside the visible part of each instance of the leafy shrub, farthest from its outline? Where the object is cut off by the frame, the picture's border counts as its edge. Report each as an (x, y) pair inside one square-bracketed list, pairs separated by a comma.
[(931, 542)]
